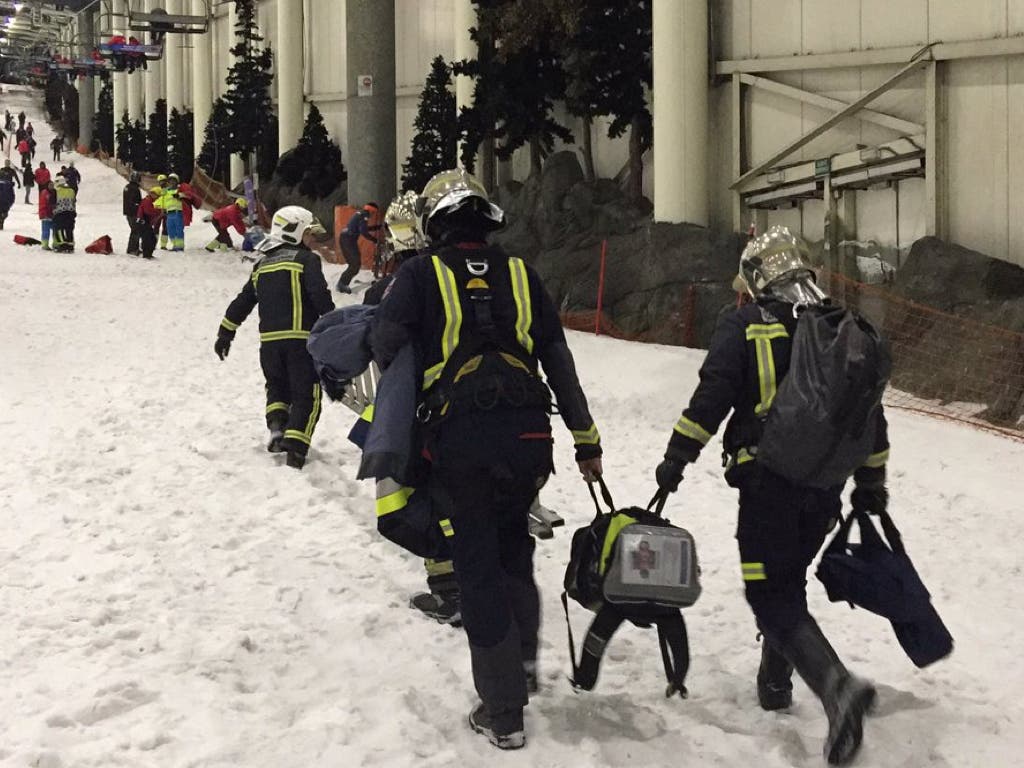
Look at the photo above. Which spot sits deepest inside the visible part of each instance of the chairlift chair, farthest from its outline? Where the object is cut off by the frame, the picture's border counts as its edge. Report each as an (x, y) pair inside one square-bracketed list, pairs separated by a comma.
[(158, 21)]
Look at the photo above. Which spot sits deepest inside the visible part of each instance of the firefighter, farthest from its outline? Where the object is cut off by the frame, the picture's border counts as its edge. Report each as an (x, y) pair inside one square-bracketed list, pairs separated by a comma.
[(781, 525), (288, 285), (481, 322)]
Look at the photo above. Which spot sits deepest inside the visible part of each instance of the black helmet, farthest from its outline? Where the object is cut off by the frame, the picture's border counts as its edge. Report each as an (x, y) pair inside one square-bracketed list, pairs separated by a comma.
[(135, 177)]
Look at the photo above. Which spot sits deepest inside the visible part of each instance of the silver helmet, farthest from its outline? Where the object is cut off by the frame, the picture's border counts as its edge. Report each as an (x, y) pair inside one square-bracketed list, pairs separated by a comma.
[(777, 264), (455, 192), (400, 223)]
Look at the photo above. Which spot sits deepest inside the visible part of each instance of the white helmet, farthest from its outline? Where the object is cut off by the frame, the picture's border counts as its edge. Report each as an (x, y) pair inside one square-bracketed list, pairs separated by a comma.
[(777, 264), (452, 200), (400, 223), (289, 225)]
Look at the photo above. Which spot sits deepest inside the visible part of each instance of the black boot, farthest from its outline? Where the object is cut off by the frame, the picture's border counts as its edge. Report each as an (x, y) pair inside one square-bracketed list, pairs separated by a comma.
[(774, 679), (442, 607), (500, 681), (295, 460), (846, 699)]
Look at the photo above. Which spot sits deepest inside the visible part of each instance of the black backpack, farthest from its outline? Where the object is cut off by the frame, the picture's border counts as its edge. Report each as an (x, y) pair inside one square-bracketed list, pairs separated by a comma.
[(631, 565), (821, 425)]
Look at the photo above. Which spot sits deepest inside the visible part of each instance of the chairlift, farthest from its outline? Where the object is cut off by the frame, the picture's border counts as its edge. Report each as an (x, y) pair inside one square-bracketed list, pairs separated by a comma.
[(158, 22), (151, 51)]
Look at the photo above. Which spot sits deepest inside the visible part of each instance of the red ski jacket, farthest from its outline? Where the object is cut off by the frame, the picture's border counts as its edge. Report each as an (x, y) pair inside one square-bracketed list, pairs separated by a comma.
[(230, 216)]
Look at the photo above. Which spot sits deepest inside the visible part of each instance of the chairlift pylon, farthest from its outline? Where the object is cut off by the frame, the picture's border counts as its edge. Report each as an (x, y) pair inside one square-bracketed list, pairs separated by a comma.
[(159, 22)]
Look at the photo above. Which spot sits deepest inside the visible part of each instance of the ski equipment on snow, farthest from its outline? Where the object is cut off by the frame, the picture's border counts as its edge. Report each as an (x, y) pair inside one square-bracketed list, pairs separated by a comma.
[(821, 424), (632, 565)]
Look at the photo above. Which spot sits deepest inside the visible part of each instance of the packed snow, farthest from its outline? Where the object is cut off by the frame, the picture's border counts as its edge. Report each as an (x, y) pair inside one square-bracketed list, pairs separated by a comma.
[(172, 595)]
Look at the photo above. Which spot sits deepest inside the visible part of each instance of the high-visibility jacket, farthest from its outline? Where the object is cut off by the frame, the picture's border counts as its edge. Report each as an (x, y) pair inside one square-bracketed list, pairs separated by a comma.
[(429, 303), (170, 201), (66, 200), (747, 359), (289, 287)]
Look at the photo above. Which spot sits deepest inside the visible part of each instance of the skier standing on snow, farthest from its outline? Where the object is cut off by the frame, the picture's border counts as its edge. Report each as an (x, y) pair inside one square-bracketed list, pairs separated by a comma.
[(288, 286), (482, 322), (46, 200), (8, 179), (28, 180), (131, 198), (358, 226), (57, 145), (782, 525)]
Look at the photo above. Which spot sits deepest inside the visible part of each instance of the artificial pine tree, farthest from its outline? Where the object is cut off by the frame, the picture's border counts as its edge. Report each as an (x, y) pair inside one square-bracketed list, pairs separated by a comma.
[(124, 139), (137, 145), (434, 145), (214, 157), (156, 138), (103, 120), (180, 144), (315, 162), (248, 93)]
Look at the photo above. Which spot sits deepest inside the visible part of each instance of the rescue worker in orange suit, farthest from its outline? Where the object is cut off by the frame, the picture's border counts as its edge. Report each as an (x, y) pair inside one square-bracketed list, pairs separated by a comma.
[(482, 322), (781, 525), (288, 286)]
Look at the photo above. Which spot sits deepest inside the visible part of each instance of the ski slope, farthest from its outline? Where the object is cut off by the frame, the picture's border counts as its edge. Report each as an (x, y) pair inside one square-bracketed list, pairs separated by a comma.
[(172, 595)]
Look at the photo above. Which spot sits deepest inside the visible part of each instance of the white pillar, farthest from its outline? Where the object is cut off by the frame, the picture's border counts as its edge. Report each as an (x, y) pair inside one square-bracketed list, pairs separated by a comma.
[(134, 96), (154, 80), (172, 59), (680, 53), (87, 85), (237, 164), (465, 48), (202, 78), (288, 62), (120, 24)]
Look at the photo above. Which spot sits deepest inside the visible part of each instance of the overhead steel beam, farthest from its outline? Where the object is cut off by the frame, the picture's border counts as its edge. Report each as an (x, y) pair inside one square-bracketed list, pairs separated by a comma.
[(838, 117), (816, 99), (968, 49)]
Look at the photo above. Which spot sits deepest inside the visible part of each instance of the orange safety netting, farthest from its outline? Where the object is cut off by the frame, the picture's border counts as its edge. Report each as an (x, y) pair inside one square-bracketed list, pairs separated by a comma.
[(944, 365)]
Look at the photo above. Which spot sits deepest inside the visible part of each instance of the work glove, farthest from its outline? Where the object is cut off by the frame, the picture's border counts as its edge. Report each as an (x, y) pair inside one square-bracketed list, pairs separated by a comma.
[(669, 474), (332, 387), (222, 345), (590, 468), (870, 497)]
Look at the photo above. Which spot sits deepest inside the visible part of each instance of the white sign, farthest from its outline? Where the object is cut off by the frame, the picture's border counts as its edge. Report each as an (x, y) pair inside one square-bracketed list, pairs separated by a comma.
[(364, 85)]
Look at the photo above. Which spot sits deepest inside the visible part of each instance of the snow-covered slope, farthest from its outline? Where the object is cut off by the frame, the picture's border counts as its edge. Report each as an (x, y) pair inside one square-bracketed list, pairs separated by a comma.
[(171, 595)]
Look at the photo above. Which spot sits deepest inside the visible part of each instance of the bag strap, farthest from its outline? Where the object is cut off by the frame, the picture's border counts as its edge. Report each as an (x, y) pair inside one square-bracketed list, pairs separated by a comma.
[(675, 652), (605, 494), (839, 541), (892, 533), (658, 501), (604, 625)]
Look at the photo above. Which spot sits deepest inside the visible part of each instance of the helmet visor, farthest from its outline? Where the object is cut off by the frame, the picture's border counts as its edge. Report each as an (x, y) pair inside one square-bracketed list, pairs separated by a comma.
[(797, 288)]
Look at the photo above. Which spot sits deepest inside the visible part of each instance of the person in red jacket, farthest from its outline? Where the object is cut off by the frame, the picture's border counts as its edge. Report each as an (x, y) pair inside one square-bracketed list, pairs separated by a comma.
[(42, 176), (46, 211), (149, 218), (25, 150), (189, 200), (225, 218)]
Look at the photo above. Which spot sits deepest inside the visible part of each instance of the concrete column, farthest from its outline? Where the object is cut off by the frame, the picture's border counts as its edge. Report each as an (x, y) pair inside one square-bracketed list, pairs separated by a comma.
[(172, 59), (370, 37), (134, 95), (237, 162), (87, 85), (680, 52), (120, 24), (288, 61), (154, 78), (202, 78), (465, 48)]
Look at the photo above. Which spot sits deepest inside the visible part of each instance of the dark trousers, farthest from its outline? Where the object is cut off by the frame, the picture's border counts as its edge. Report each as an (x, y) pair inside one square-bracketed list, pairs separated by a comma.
[(56, 154), (293, 391), (350, 250), (781, 528), (147, 239), (133, 234), (489, 476), (64, 228), (222, 235)]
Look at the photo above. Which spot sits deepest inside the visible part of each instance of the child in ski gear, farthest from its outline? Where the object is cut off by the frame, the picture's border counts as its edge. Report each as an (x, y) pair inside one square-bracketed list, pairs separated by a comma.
[(358, 226), (131, 198), (46, 200), (148, 219), (64, 213), (225, 218), (8, 180), (490, 452), (288, 286), (781, 524), (42, 175)]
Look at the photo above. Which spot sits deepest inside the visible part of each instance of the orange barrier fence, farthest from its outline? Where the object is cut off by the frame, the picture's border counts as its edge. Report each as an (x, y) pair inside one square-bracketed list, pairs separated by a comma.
[(944, 365), (367, 249)]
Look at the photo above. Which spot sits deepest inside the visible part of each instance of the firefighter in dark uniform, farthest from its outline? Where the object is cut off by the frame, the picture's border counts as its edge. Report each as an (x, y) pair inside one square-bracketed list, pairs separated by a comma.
[(781, 526), (481, 322), (288, 285)]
